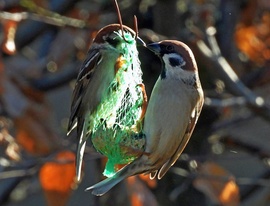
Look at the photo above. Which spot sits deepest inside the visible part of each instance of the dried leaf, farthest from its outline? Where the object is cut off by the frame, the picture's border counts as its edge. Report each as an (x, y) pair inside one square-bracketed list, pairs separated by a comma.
[(34, 134), (7, 142), (152, 183), (14, 102), (218, 184), (58, 178), (139, 193), (13, 151), (254, 40)]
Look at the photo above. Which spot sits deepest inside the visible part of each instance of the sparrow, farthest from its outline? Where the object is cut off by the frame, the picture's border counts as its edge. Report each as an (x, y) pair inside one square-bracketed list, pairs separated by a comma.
[(113, 49), (173, 109)]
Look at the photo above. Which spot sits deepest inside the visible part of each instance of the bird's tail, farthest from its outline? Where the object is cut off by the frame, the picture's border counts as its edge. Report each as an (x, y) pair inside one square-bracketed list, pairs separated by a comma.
[(104, 186), (79, 159), (80, 150)]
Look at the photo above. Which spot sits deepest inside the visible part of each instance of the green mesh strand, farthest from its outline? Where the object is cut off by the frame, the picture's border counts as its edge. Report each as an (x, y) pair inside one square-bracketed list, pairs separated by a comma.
[(116, 126)]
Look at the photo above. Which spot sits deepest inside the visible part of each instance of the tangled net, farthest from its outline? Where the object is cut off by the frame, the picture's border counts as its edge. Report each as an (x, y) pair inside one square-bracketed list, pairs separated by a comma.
[(115, 127)]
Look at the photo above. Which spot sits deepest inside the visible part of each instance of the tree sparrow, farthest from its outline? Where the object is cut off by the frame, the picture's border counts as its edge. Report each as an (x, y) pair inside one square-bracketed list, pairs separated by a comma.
[(113, 48)]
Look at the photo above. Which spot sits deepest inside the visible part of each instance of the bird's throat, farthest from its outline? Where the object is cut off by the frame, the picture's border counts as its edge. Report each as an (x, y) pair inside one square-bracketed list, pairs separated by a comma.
[(163, 71)]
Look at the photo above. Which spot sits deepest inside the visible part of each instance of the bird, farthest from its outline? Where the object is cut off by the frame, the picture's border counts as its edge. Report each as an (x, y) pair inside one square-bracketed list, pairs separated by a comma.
[(173, 110), (113, 48)]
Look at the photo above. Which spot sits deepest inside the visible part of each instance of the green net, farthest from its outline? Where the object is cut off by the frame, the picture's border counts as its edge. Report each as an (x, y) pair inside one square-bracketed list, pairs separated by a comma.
[(116, 125)]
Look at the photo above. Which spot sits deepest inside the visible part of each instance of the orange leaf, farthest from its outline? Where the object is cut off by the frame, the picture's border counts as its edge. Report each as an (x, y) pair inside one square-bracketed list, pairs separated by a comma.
[(135, 200), (252, 40), (34, 133), (32, 136), (58, 178), (218, 184), (139, 193), (152, 183), (229, 193)]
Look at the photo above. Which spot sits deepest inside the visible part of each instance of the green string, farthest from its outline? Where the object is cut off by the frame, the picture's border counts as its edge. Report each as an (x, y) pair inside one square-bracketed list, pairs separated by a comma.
[(115, 125)]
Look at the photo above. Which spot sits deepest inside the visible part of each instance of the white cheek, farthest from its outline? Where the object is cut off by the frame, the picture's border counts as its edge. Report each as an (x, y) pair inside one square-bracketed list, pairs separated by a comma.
[(177, 71), (185, 74)]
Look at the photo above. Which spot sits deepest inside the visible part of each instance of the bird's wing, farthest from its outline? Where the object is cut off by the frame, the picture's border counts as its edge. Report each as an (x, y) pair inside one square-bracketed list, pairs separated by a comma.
[(191, 125), (83, 79), (77, 111)]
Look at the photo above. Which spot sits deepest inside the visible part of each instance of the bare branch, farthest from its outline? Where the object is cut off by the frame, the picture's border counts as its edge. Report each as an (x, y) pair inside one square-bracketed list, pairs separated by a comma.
[(56, 20), (225, 72), (234, 101), (19, 173)]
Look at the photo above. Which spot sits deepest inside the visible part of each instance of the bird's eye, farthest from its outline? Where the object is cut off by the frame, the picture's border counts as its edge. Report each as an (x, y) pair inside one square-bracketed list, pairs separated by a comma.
[(169, 48)]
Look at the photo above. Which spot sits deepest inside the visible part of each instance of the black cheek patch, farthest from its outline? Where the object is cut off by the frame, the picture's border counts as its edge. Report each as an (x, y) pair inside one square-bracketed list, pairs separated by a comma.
[(174, 62), (163, 74), (114, 42)]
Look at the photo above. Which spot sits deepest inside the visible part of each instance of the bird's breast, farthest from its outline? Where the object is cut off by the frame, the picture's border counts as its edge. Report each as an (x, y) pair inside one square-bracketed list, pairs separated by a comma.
[(100, 82), (166, 118)]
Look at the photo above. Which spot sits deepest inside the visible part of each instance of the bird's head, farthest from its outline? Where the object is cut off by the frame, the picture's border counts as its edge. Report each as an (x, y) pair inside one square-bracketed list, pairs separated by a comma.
[(117, 37), (177, 58)]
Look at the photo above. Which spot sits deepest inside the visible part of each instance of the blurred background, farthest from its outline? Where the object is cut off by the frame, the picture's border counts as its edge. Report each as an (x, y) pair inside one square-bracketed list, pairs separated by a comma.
[(43, 44)]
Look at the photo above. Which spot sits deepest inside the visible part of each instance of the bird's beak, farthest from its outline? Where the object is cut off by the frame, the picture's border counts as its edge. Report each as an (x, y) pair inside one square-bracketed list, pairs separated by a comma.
[(140, 42), (154, 47)]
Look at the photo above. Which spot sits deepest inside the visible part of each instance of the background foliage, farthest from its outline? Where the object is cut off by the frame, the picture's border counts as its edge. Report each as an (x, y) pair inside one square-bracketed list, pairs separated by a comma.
[(43, 43)]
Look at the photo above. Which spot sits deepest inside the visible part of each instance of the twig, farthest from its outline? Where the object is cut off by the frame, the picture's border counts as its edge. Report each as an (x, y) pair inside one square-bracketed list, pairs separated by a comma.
[(220, 103), (230, 78), (261, 181), (56, 20), (30, 29), (19, 173)]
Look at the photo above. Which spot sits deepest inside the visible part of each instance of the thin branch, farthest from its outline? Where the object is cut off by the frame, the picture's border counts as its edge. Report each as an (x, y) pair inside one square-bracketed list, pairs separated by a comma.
[(221, 103), (56, 20), (211, 31), (204, 49), (264, 182), (225, 72), (19, 173), (29, 30)]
